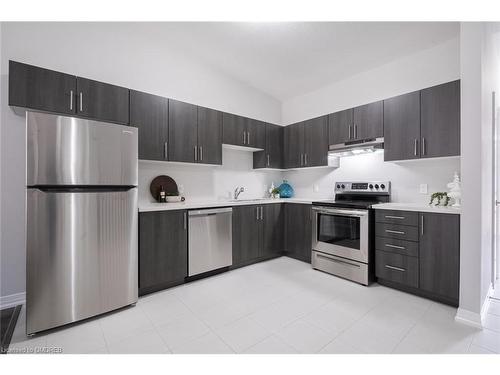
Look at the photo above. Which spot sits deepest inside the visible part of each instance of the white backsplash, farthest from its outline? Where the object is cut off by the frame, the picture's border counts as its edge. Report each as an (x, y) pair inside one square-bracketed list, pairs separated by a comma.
[(212, 183), (218, 182), (405, 177)]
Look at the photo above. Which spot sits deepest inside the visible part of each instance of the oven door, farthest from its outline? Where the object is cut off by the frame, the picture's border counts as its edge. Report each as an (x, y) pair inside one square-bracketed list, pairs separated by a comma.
[(341, 232)]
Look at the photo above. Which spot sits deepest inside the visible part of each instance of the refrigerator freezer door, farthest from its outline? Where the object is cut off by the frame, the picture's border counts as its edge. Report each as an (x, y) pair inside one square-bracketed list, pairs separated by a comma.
[(65, 150), (81, 255)]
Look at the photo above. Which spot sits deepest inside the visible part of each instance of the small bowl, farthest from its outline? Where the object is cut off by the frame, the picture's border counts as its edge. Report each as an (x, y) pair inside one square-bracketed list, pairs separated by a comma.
[(174, 199)]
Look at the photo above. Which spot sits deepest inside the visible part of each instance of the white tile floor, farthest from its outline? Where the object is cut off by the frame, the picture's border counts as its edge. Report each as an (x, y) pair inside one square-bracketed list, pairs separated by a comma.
[(279, 306)]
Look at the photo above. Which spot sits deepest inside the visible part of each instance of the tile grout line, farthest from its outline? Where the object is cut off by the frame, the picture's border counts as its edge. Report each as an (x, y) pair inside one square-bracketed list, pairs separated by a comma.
[(208, 326)]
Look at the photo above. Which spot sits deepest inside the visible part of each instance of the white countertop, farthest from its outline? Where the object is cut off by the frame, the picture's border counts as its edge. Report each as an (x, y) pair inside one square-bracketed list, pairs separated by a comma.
[(417, 207), (187, 205)]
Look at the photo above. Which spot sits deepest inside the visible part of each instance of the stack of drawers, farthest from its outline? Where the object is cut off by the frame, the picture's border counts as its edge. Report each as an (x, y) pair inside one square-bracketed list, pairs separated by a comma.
[(397, 247)]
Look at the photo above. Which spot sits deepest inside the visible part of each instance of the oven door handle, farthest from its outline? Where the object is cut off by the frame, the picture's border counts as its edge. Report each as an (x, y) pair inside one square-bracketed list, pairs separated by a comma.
[(331, 211)]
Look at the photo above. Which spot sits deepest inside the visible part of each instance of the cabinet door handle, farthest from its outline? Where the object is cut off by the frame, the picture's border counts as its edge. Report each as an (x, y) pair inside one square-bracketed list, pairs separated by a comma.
[(261, 213), (422, 225), (350, 137), (415, 150), (395, 268), (424, 148), (355, 131), (201, 153), (248, 138), (244, 137), (185, 220), (165, 150), (268, 160), (394, 217), (71, 100), (305, 159), (394, 231), (81, 101), (195, 153), (395, 246)]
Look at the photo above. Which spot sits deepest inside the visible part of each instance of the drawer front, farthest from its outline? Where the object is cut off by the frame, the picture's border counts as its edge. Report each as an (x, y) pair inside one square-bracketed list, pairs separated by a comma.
[(397, 268), (402, 232), (342, 267), (393, 245), (396, 217)]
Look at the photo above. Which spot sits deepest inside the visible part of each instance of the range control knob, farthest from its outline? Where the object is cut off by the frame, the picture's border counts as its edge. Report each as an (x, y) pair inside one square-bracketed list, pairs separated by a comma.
[(382, 186), (370, 186), (343, 186), (338, 186), (376, 186)]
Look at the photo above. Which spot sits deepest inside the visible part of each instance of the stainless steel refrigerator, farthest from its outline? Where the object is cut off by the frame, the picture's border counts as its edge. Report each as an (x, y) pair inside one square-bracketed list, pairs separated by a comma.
[(81, 219)]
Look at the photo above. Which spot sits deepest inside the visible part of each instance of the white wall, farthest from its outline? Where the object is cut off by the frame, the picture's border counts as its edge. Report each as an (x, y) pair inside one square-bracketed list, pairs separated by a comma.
[(480, 73), (426, 68), (106, 52), (212, 183), (405, 177)]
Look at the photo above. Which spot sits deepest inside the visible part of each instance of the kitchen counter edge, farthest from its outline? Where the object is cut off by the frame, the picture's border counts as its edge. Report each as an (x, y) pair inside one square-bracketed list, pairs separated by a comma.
[(149, 206), (417, 207)]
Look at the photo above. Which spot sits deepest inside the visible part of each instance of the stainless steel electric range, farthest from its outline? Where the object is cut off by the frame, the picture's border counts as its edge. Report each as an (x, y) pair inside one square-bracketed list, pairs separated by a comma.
[(342, 232)]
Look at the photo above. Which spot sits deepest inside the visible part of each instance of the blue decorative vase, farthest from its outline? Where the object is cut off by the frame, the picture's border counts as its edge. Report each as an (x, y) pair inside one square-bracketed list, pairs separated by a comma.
[(286, 191)]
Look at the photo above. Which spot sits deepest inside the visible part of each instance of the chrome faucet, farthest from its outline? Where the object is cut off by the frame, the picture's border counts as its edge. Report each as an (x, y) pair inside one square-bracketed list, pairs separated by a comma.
[(238, 191)]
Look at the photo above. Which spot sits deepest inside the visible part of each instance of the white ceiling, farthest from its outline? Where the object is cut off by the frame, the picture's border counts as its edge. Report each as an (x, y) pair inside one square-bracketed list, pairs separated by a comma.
[(293, 58)]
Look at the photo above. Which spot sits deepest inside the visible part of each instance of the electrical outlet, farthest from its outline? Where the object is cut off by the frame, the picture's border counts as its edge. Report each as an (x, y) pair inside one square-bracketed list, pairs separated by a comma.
[(181, 189), (315, 188), (423, 188)]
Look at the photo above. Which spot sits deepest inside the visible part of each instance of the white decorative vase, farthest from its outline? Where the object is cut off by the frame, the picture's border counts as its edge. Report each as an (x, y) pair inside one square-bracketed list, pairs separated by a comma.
[(455, 191)]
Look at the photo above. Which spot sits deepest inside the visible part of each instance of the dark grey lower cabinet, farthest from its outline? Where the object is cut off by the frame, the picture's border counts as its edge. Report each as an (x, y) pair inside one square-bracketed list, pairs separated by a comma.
[(273, 229), (246, 234), (425, 262), (440, 254), (163, 257), (257, 233), (298, 226)]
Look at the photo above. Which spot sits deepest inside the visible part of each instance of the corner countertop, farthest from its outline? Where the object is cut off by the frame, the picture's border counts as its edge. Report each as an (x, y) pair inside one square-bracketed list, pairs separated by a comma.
[(417, 207), (188, 205)]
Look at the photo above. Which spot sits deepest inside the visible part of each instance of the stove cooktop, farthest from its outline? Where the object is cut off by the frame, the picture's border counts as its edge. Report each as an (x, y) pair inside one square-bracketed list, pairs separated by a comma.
[(363, 204)]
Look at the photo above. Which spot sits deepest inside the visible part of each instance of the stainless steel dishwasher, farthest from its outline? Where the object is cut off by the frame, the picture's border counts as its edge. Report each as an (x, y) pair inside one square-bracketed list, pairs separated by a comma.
[(210, 240)]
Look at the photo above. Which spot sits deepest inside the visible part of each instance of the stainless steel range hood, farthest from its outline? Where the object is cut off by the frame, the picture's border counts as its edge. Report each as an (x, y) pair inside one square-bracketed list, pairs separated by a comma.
[(356, 147)]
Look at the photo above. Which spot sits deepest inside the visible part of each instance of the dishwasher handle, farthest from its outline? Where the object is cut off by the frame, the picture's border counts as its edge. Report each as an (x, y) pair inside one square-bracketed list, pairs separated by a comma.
[(213, 211)]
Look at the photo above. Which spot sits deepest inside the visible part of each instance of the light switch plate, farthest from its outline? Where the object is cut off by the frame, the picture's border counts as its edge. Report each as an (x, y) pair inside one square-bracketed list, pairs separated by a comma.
[(423, 188), (315, 188)]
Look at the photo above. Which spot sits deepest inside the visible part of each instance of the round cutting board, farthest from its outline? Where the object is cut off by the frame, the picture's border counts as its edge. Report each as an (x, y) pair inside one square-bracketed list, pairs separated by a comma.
[(168, 184)]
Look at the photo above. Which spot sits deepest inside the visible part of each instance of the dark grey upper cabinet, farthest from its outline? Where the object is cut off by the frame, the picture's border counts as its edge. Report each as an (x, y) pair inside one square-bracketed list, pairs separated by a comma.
[(163, 256), (149, 113), (246, 234), (294, 145), (209, 136), (298, 227), (340, 127), (182, 132), (42, 89), (273, 229), (272, 156), (439, 250), (256, 134), (102, 101), (440, 120), (234, 129), (316, 142), (243, 131), (368, 121), (402, 127)]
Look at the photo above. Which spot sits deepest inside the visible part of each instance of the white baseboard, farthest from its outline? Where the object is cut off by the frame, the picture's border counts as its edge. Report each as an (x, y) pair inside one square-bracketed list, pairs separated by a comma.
[(472, 318), (12, 300)]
